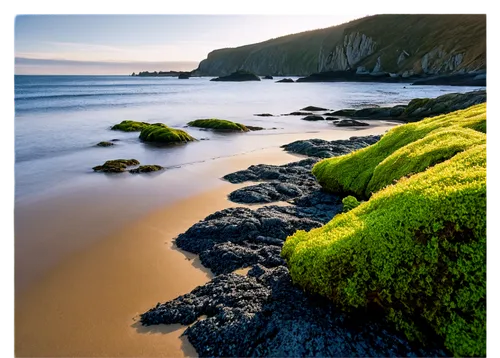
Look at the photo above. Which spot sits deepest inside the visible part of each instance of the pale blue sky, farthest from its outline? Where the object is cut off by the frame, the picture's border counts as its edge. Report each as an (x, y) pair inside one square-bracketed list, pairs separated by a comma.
[(120, 44)]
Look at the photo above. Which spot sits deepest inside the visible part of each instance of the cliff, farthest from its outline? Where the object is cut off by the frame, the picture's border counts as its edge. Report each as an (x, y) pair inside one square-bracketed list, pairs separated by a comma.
[(399, 45)]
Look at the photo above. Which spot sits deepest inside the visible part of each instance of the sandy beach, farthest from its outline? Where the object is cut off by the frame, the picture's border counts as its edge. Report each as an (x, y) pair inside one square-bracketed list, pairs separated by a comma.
[(88, 264)]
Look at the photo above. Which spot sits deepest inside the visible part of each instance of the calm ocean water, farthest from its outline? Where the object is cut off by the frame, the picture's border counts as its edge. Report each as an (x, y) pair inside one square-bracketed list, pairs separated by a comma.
[(59, 119)]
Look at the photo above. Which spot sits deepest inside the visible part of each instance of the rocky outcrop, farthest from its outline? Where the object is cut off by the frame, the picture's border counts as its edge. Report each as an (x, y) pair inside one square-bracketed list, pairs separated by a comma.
[(146, 169), (238, 76), (314, 117), (349, 123), (419, 108), (116, 165), (396, 46), (320, 148), (263, 313)]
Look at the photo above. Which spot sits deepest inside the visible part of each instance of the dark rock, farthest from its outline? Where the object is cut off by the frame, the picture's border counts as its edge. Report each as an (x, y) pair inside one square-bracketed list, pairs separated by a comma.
[(291, 172), (264, 115), (458, 79), (314, 117), (285, 80), (104, 144), (349, 123), (298, 113), (115, 140), (332, 118), (254, 128), (373, 113), (325, 149), (184, 75), (238, 76), (242, 224), (419, 108), (116, 166), (268, 77), (343, 113), (265, 193), (350, 76), (264, 314), (313, 109), (146, 169), (397, 111)]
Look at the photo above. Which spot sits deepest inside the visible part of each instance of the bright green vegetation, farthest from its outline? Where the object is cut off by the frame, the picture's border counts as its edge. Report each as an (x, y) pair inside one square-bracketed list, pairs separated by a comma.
[(417, 248), (146, 169), (130, 126), (116, 166), (352, 173), (160, 133), (218, 124), (434, 148), (349, 202)]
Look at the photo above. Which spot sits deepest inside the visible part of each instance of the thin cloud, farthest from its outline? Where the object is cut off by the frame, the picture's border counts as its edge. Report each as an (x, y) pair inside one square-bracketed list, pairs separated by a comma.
[(56, 66)]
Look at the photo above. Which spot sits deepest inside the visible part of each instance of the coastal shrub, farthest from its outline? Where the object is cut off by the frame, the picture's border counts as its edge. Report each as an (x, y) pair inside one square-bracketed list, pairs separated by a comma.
[(417, 249), (218, 124), (349, 203), (130, 126), (160, 133), (415, 157), (351, 173)]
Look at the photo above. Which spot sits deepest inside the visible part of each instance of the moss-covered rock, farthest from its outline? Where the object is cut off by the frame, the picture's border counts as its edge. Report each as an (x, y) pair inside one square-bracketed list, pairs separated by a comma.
[(218, 124), (254, 128), (163, 134), (349, 203), (352, 173), (116, 166), (417, 248), (146, 169), (418, 108), (130, 126), (105, 144), (436, 147)]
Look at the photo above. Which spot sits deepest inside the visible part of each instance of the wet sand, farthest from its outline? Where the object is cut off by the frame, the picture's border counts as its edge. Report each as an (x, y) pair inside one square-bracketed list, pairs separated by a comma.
[(84, 299)]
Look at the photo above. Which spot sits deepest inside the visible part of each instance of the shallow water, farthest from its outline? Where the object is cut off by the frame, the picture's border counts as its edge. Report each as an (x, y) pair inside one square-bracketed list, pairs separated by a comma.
[(59, 119)]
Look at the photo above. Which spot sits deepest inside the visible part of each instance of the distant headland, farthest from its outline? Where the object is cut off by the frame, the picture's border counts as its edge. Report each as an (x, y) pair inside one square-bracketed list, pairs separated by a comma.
[(179, 74)]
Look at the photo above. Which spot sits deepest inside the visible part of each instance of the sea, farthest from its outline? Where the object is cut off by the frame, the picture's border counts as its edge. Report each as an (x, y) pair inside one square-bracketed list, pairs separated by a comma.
[(60, 119)]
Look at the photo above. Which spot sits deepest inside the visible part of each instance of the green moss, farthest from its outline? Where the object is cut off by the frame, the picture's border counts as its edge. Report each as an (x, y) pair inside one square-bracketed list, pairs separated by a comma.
[(160, 133), (116, 166), (218, 124), (104, 144), (349, 203), (415, 157), (417, 248), (416, 104), (130, 126), (146, 169), (351, 174)]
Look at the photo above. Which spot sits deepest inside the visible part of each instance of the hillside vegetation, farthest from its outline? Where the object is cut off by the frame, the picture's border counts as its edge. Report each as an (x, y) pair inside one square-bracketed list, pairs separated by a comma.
[(399, 44), (416, 249)]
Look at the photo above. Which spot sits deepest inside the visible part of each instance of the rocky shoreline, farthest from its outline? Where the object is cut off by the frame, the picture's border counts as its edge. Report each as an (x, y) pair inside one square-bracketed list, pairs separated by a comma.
[(263, 313), (475, 78)]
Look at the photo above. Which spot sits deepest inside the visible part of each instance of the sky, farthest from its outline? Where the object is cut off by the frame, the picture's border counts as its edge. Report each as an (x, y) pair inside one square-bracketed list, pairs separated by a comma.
[(122, 44)]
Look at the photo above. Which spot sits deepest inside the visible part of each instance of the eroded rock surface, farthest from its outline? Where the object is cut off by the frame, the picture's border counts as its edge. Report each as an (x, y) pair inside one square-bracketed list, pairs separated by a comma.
[(320, 148), (264, 314)]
